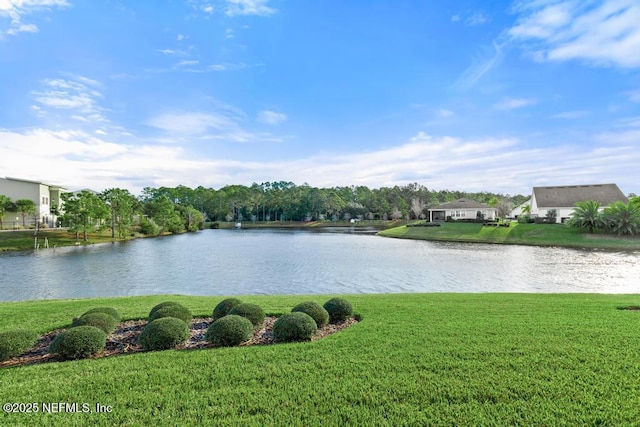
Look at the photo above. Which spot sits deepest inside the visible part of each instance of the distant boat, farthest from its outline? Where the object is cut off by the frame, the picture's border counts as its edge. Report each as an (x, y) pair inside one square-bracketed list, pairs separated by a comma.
[(238, 225)]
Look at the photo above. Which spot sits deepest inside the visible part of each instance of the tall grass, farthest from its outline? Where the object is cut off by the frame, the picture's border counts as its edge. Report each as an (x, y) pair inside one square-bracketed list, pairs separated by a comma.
[(415, 359)]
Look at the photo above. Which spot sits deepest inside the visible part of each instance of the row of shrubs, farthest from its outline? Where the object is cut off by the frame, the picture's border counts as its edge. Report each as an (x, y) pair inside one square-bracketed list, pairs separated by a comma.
[(234, 322)]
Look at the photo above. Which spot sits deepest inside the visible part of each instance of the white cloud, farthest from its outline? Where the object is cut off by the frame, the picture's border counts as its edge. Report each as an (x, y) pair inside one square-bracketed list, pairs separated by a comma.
[(81, 160), (207, 8), (455, 18), (76, 93), (477, 18), (443, 113), (23, 28), (16, 10), (600, 33), (271, 117), (176, 52), (181, 37), (249, 7), (571, 114), (187, 63), (634, 95), (514, 103), (481, 65), (225, 125)]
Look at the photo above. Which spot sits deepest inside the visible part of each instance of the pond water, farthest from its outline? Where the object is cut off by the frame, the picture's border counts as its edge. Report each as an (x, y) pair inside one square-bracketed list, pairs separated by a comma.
[(327, 261)]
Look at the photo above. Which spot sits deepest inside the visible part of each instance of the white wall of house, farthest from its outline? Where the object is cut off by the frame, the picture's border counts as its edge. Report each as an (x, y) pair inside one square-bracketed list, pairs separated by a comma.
[(39, 193)]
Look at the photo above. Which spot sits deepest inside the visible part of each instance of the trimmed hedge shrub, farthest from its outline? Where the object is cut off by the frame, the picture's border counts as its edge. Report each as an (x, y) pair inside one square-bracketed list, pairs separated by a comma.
[(110, 311), (162, 305), (318, 313), (78, 342), (176, 310), (224, 306), (297, 326), (16, 342), (229, 330), (102, 321), (253, 312), (164, 333), (338, 309)]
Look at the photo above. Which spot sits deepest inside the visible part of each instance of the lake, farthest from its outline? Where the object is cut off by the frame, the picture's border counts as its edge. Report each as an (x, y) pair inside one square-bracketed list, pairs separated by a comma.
[(323, 261)]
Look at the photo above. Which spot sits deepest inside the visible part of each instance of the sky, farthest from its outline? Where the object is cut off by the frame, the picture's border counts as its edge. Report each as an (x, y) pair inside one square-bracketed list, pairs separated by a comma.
[(470, 95)]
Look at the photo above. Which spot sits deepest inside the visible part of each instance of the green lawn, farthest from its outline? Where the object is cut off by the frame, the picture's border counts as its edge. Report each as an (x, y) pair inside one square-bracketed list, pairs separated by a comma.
[(517, 234), (25, 239), (415, 359)]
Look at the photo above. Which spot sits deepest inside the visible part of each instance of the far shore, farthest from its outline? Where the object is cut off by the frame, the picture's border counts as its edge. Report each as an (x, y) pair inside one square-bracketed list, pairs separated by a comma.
[(553, 235)]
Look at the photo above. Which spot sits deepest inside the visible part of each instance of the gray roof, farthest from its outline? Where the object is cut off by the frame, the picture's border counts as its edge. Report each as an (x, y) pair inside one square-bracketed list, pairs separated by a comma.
[(569, 195), (461, 204)]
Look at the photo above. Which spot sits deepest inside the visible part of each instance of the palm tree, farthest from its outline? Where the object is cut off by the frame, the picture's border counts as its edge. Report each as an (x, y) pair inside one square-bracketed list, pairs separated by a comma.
[(623, 218), (586, 215)]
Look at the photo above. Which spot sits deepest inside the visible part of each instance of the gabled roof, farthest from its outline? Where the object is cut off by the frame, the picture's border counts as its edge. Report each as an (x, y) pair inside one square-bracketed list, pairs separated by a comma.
[(461, 204), (569, 195)]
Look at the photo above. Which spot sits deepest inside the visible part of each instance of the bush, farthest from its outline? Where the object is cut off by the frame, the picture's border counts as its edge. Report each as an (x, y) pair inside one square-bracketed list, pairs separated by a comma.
[(148, 227), (176, 310), (296, 326), (110, 311), (338, 309), (16, 342), (224, 306), (162, 305), (99, 320), (229, 330), (78, 342), (252, 312), (163, 333), (170, 309), (317, 313)]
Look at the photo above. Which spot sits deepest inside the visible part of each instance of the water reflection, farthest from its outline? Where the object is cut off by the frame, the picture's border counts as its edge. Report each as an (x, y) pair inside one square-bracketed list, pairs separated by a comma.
[(282, 261)]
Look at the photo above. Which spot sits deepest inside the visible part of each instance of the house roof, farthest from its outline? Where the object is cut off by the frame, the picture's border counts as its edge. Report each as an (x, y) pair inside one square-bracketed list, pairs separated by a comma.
[(461, 204), (569, 195)]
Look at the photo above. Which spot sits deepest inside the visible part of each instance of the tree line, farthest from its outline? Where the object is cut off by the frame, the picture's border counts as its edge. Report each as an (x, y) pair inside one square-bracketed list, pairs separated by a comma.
[(178, 209)]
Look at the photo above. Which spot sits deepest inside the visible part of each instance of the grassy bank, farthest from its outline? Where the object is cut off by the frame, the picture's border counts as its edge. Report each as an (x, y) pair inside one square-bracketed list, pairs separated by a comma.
[(516, 234), (415, 359), (25, 239)]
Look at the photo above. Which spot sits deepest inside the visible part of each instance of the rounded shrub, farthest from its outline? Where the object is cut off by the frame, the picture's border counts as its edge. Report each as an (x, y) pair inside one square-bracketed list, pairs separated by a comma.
[(229, 330), (224, 306), (16, 342), (317, 313), (252, 312), (164, 333), (109, 310), (162, 305), (78, 342), (297, 326), (102, 321), (178, 311), (338, 309)]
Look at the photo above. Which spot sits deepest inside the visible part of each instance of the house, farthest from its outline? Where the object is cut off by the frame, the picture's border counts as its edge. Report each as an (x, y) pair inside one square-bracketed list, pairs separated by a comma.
[(462, 209), (522, 208), (46, 198), (564, 198)]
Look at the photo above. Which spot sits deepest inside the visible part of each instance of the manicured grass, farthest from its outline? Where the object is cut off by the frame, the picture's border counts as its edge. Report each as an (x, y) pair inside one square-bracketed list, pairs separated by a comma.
[(25, 239), (516, 234), (415, 359)]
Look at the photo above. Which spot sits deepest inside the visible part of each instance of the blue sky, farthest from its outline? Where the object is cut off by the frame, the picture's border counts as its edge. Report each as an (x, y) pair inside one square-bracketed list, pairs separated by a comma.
[(471, 95)]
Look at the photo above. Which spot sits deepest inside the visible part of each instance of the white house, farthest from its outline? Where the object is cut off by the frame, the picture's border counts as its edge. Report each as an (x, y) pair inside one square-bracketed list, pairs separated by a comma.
[(462, 209), (46, 198), (564, 198)]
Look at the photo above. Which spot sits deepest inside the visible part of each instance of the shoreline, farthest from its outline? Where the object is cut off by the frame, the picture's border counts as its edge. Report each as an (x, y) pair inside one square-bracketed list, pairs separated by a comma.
[(540, 235)]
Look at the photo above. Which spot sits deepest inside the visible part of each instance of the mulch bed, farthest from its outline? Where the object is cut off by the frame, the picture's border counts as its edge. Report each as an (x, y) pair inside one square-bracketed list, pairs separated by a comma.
[(124, 340)]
